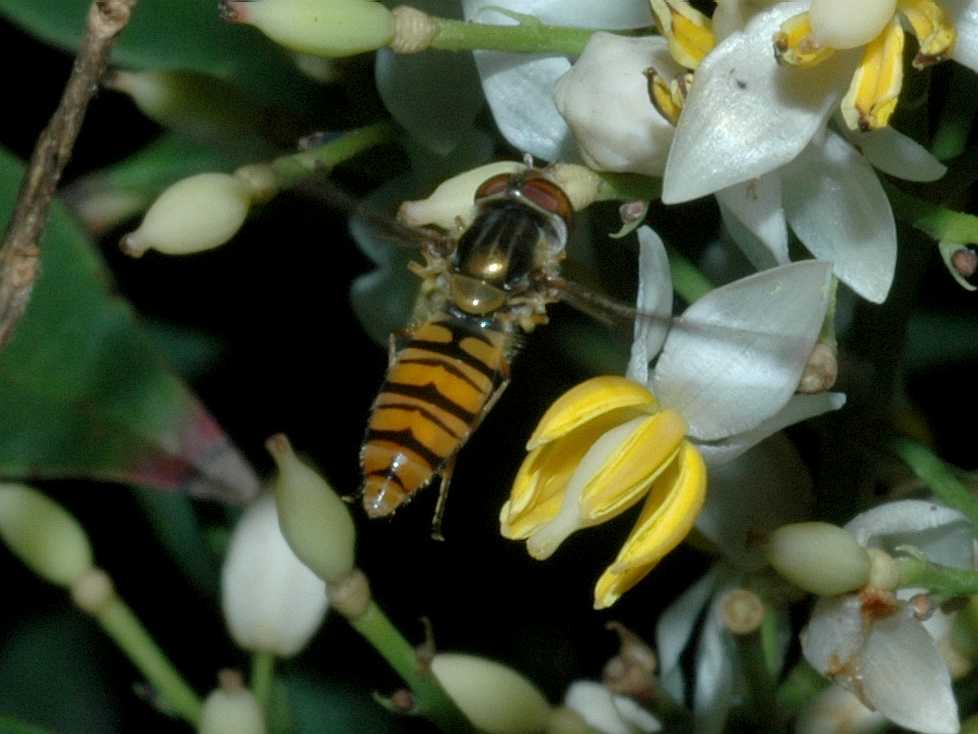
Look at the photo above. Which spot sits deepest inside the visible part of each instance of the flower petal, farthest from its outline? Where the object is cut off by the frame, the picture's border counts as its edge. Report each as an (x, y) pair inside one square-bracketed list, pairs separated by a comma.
[(799, 408), (965, 15), (745, 115), (589, 400), (584, 13), (838, 209), (735, 356), (904, 677), (668, 515), (604, 99), (897, 154), (837, 711), (834, 636), (654, 303), (607, 713), (749, 498), (714, 675), (757, 207), (943, 534)]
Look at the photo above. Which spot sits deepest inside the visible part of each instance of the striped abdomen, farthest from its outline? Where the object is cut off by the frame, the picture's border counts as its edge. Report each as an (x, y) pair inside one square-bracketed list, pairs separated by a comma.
[(434, 394)]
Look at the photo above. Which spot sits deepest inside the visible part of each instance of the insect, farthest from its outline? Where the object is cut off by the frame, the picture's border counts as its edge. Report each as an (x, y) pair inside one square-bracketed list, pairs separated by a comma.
[(481, 293)]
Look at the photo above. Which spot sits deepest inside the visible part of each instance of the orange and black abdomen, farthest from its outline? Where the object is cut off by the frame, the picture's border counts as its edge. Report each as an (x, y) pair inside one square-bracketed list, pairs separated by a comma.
[(433, 396)]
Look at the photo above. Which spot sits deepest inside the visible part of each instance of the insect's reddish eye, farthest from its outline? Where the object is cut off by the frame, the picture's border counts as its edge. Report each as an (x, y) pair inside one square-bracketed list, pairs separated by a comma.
[(548, 196), (493, 186)]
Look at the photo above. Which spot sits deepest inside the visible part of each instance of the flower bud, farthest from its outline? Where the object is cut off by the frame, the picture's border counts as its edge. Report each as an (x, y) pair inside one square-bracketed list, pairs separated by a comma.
[(194, 214), (452, 204), (315, 521), (199, 105), (818, 557), (496, 699), (231, 709), (960, 261), (332, 28), (43, 535), (271, 601)]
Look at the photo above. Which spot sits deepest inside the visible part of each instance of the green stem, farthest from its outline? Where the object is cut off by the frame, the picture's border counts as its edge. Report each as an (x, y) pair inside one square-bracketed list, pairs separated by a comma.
[(628, 187), (125, 629), (291, 169), (957, 115), (760, 680), (530, 36), (262, 678), (943, 580), (430, 700), (687, 280), (801, 685), (931, 219), (937, 476)]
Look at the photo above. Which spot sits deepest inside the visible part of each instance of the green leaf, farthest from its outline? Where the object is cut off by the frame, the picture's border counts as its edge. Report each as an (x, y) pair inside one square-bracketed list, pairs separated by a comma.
[(13, 726), (83, 393), (187, 35)]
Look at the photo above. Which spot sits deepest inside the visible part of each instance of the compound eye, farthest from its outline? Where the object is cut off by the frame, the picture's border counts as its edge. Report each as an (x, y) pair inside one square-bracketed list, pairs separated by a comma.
[(548, 196), (493, 186)]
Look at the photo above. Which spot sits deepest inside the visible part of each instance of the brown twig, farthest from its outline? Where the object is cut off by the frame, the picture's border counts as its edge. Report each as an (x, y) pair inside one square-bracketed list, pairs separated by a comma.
[(20, 252)]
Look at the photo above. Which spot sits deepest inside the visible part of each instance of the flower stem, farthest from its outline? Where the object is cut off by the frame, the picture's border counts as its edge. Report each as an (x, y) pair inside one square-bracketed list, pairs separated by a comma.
[(801, 685), (125, 629), (291, 169), (931, 219), (687, 280), (430, 700), (937, 476), (628, 187), (943, 580), (530, 36), (262, 678)]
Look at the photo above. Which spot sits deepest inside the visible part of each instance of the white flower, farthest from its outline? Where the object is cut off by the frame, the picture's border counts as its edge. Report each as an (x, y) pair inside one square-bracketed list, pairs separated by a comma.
[(608, 712), (872, 643), (271, 601), (836, 711)]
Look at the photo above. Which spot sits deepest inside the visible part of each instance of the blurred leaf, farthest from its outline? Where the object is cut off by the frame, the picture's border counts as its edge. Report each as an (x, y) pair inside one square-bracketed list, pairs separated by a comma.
[(319, 705), (50, 673), (111, 195), (84, 394), (174, 524), (189, 352), (188, 35), (11, 726)]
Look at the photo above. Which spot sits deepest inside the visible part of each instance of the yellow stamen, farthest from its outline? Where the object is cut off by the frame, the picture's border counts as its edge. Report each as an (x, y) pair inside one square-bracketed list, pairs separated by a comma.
[(795, 43), (875, 87), (676, 499), (667, 97), (689, 32), (935, 33)]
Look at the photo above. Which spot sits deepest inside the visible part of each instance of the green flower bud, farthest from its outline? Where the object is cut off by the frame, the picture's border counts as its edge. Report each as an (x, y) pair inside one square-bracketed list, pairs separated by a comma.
[(231, 709), (496, 699), (818, 557), (332, 28), (194, 214), (315, 521), (43, 535)]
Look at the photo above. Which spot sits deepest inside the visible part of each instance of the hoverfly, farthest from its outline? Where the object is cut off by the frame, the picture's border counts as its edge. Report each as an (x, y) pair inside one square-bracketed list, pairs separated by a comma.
[(481, 292)]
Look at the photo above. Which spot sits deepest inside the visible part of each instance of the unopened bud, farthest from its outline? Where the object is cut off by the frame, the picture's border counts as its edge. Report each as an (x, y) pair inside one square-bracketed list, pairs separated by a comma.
[(271, 601), (741, 611), (194, 214), (333, 29), (821, 370), (231, 709), (818, 557), (961, 262), (43, 535), (452, 204), (496, 699), (315, 521)]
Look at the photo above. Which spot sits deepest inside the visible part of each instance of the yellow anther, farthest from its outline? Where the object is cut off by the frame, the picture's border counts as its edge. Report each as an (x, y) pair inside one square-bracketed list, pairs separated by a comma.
[(666, 97), (795, 43), (875, 87), (935, 33), (689, 32)]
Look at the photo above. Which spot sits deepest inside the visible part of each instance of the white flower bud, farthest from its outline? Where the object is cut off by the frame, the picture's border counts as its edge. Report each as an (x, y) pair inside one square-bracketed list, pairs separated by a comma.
[(606, 712), (194, 214), (496, 699), (43, 535), (332, 28), (818, 557), (840, 24), (451, 206), (604, 99), (271, 601), (231, 709), (315, 521)]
